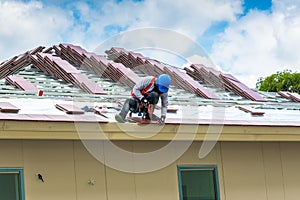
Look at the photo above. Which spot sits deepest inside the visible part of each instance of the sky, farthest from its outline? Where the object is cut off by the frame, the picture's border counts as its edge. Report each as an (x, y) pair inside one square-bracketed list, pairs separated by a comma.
[(246, 38)]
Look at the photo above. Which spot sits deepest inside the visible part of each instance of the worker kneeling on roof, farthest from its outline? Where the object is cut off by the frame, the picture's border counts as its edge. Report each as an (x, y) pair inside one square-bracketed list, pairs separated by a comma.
[(148, 91)]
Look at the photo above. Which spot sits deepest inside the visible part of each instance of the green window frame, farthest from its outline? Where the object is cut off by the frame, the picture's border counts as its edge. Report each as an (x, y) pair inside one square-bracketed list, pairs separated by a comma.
[(198, 183), (12, 184)]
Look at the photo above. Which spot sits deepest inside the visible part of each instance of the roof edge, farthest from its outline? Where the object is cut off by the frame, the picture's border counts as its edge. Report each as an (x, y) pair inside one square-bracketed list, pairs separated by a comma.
[(149, 132)]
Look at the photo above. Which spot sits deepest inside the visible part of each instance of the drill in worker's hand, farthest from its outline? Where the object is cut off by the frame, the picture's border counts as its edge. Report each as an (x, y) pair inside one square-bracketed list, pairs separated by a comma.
[(144, 102)]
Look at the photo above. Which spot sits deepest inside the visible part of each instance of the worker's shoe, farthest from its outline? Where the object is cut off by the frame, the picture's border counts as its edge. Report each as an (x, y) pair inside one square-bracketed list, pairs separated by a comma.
[(119, 118)]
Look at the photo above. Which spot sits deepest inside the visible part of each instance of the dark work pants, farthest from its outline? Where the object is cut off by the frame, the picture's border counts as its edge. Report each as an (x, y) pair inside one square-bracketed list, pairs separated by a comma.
[(152, 98)]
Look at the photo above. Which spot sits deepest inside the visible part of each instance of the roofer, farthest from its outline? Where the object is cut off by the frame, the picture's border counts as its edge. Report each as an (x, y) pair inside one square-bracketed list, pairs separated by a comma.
[(148, 90)]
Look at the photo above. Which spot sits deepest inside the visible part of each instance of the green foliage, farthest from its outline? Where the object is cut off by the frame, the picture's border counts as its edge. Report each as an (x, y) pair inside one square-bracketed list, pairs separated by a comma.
[(281, 81)]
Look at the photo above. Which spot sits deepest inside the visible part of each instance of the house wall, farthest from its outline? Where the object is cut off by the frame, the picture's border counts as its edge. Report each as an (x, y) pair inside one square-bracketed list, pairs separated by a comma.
[(247, 170)]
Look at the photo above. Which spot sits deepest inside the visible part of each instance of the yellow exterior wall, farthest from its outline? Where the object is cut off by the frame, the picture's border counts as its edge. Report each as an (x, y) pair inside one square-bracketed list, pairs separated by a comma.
[(247, 170), (290, 168), (243, 171), (272, 168), (55, 161)]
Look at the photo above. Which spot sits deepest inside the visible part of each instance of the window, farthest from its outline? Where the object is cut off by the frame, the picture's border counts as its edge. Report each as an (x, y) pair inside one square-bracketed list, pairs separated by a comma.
[(198, 183), (11, 184)]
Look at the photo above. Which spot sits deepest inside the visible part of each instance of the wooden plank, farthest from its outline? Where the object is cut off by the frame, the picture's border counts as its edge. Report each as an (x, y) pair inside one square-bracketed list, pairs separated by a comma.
[(172, 110), (222, 80), (251, 110), (241, 89), (69, 108), (17, 63), (186, 82), (100, 65), (295, 97), (86, 84), (8, 107), (153, 67), (284, 94), (62, 69), (21, 83)]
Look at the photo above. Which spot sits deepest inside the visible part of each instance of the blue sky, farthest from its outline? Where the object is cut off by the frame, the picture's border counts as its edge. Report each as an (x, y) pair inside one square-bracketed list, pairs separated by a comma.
[(249, 39), (257, 4), (207, 38)]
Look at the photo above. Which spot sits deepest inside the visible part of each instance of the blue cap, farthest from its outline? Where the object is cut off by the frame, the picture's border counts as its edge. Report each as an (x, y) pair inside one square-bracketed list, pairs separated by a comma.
[(163, 83)]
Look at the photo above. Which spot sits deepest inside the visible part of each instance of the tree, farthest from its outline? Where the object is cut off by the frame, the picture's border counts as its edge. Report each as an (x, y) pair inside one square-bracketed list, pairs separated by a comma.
[(281, 81)]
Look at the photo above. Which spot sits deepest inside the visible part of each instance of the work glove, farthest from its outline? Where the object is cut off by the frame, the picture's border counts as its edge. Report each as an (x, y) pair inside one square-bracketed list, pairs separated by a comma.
[(144, 101), (161, 120)]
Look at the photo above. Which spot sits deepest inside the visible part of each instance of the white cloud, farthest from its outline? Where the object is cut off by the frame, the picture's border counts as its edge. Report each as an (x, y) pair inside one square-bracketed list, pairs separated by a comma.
[(255, 45), (191, 17), (201, 59), (261, 43), (26, 26)]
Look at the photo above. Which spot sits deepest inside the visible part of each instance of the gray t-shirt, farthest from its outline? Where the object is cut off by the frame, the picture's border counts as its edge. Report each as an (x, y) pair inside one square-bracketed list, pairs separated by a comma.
[(143, 84)]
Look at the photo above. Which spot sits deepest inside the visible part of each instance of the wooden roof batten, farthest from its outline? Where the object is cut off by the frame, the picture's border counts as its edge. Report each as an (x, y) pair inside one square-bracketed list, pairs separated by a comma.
[(21, 83)]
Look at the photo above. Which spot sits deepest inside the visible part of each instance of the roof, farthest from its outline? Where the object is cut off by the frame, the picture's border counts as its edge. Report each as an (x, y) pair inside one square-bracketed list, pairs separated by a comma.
[(63, 82)]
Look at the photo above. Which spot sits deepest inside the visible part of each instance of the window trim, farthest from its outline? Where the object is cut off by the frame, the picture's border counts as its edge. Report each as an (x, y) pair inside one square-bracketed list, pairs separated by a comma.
[(19, 171), (198, 167)]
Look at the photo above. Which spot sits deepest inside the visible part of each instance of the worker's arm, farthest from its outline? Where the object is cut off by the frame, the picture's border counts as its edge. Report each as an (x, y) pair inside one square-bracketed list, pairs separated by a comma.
[(140, 86), (164, 104)]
